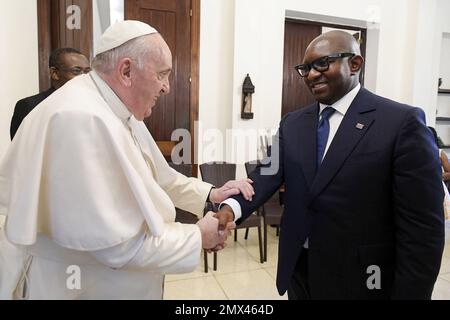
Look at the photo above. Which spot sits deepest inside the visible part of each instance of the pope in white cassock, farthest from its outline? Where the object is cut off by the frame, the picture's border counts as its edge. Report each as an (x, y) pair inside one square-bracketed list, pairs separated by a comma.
[(86, 191)]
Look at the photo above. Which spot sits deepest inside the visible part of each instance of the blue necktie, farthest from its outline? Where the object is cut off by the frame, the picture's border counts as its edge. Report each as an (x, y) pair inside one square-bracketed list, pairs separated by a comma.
[(323, 130)]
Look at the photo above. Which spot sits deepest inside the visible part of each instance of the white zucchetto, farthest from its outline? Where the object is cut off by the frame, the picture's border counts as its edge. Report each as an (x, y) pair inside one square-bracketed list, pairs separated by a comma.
[(121, 32)]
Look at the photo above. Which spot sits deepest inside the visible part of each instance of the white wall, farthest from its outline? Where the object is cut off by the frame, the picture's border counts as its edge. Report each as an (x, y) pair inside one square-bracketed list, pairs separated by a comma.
[(444, 66), (401, 34), (441, 68), (263, 21), (97, 28), (216, 77), (19, 56), (443, 100), (247, 36), (426, 64), (105, 13)]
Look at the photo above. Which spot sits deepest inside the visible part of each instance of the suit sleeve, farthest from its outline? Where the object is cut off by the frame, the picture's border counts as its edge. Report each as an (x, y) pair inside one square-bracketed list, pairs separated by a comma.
[(418, 202), (267, 177)]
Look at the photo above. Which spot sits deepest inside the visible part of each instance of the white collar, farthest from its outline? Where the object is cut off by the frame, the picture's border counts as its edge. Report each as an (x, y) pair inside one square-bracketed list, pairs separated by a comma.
[(113, 101), (344, 103)]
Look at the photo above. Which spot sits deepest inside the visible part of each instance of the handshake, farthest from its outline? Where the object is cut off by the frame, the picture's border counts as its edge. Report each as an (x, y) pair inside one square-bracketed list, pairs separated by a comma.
[(216, 227), (214, 231)]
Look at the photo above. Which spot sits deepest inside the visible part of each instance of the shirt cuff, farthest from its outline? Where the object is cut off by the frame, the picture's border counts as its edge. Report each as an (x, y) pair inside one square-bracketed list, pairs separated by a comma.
[(235, 206)]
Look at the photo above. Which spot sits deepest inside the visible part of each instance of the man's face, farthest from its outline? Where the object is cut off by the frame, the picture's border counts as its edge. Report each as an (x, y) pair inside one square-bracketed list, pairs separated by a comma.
[(328, 86), (70, 66), (150, 83)]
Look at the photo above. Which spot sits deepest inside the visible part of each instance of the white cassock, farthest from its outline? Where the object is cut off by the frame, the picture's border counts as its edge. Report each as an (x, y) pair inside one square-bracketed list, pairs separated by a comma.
[(86, 191)]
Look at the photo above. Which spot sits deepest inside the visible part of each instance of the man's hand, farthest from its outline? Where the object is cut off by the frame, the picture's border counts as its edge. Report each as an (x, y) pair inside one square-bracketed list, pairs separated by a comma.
[(223, 234), (212, 238), (232, 188), (225, 216)]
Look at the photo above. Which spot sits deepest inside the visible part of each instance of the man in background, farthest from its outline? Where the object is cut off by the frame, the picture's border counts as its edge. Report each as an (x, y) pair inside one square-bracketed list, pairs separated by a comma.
[(64, 65)]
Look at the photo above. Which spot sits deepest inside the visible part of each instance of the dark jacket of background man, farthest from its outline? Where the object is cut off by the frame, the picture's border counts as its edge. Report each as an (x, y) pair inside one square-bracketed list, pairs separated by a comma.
[(64, 64)]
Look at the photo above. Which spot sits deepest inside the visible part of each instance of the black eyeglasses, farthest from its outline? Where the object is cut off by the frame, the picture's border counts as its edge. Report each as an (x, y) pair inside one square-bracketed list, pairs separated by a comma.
[(321, 64), (76, 71)]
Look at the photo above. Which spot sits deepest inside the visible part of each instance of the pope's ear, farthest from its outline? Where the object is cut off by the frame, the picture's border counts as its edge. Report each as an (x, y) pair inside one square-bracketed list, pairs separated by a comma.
[(124, 69)]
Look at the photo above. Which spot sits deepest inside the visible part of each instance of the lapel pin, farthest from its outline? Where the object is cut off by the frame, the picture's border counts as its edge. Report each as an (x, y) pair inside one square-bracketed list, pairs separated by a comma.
[(360, 126)]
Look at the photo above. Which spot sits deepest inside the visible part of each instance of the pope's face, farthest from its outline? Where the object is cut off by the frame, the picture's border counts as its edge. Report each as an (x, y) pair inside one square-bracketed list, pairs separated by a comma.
[(151, 82)]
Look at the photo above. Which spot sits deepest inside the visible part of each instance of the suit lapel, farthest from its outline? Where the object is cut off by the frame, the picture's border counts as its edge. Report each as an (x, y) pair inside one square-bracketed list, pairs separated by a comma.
[(356, 123), (307, 124)]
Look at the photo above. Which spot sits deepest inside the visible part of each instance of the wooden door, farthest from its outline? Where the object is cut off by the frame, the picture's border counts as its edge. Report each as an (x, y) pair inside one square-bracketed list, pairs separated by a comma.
[(56, 29), (296, 39), (174, 19)]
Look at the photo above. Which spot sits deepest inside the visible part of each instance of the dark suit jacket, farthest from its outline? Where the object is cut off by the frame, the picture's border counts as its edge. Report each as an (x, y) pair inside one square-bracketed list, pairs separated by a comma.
[(376, 200), (24, 107)]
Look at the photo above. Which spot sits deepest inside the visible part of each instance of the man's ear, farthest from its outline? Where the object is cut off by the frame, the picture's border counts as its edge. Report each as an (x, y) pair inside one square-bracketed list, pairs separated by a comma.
[(54, 74), (124, 70), (356, 64)]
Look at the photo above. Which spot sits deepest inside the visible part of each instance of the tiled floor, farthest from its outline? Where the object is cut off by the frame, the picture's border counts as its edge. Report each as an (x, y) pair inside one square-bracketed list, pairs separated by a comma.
[(442, 286), (240, 275)]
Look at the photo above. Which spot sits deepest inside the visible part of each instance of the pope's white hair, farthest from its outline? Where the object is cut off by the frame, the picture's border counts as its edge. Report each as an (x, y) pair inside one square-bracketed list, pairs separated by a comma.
[(136, 49)]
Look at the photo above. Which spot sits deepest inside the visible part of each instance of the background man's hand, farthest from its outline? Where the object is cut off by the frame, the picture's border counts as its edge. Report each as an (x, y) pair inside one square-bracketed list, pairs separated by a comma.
[(232, 188)]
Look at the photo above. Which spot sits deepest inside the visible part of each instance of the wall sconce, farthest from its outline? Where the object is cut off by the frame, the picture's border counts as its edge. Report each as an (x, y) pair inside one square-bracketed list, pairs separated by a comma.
[(247, 90)]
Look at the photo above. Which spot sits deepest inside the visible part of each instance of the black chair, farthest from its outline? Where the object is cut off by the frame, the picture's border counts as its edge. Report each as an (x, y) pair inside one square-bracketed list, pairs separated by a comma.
[(266, 146), (218, 174), (182, 215), (271, 211)]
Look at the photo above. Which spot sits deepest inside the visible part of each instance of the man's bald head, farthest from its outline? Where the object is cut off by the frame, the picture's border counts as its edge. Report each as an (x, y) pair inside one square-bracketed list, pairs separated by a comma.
[(334, 60), (339, 41)]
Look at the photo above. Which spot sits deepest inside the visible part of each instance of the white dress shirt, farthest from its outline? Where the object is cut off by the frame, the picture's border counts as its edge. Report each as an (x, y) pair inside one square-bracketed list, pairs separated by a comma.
[(341, 106)]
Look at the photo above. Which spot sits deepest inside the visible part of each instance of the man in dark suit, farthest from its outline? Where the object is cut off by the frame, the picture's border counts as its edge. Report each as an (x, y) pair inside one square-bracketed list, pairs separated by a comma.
[(64, 64), (363, 212)]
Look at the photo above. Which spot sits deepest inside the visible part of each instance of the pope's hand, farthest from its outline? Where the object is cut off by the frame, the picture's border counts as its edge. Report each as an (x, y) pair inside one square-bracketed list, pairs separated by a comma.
[(232, 188), (214, 239), (223, 235)]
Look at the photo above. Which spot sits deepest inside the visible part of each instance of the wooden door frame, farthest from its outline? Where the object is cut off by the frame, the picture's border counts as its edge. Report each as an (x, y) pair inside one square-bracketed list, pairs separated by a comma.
[(49, 38), (44, 41), (195, 80), (194, 91)]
